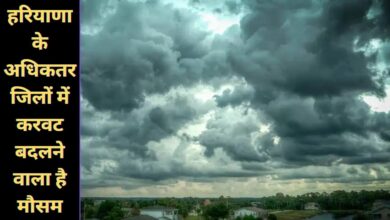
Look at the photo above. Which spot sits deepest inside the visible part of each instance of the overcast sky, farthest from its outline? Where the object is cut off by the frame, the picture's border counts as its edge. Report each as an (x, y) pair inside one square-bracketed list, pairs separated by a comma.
[(235, 97)]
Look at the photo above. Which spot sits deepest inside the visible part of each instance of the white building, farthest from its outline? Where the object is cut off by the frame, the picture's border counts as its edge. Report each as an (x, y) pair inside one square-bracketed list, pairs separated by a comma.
[(380, 210), (160, 212), (250, 211)]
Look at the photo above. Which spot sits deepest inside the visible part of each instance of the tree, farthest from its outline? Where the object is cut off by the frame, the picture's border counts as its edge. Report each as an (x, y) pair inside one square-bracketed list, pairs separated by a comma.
[(360, 216), (272, 217), (110, 210), (114, 214), (135, 212), (216, 211), (88, 208), (90, 211), (249, 217)]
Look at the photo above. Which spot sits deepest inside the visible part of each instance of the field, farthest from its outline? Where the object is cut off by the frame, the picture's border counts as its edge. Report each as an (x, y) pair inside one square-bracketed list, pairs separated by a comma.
[(296, 214), (194, 218)]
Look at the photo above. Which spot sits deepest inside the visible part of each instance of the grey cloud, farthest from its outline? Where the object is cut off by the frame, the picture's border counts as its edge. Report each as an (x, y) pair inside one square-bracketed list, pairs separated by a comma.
[(309, 85), (235, 97), (127, 60), (301, 76), (234, 137)]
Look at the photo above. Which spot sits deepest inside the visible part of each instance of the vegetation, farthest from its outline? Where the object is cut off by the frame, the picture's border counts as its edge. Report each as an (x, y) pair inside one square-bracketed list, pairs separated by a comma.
[(216, 211), (339, 203), (272, 217), (194, 218), (88, 208), (343, 213), (110, 210), (360, 216), (248, 217), (296, 214), (337, 200)]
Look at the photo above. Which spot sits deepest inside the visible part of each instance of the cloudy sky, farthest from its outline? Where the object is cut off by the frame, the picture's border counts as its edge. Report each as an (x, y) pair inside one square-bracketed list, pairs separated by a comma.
[(234, 97)]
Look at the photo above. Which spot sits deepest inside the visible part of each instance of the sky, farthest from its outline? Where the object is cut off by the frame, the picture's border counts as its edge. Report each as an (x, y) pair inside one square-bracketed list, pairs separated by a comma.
[(241, 98)]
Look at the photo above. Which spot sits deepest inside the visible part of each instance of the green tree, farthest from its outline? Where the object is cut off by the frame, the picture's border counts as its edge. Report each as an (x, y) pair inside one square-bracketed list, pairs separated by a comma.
[(272, 217), (216, 211), (114, 214), (249, 217), (109, 210), (360, 216)]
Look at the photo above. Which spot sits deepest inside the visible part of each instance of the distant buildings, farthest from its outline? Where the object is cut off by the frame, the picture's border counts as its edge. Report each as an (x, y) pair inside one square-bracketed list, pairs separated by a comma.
[(256, 204), (312, 206), (206, 202), (380, 210), (156, 213), (250, 211), (160, 212), (195, 211)]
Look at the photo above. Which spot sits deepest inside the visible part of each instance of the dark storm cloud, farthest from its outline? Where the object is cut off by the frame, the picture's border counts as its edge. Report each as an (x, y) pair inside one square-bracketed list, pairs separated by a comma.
[(235, 97), (153, 172), (234, 137), (130, 132), (91, 11), (137, 53), (233, 6), (319, 64), (300, 74), (309, 84)]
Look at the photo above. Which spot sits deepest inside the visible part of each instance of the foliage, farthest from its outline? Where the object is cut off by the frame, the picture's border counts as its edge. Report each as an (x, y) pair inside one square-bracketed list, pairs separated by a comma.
[(272, 217), (296, 214), (216, 211), (337, 200), (360, 216), (88, 208), (110, 210), (248, 217), (135, 211), (114, 214)]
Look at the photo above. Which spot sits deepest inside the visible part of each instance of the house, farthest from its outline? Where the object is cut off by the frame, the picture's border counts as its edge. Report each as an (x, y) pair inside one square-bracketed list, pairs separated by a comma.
[(380, 210), (250, 211), (160, 212), (312, 206)]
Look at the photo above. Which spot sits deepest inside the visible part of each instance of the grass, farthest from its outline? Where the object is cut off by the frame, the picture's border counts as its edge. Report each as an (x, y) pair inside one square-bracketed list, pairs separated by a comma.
[(296, 214), (194, 218)]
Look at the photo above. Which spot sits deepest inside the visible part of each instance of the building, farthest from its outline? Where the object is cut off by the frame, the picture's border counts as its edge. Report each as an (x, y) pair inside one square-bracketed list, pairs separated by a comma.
[(160, 212), (250, 211), (312, 206), (380, 210)]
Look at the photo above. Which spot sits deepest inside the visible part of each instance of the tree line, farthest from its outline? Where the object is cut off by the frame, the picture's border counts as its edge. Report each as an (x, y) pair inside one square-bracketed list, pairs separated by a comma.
[(112, 209), (337, 200)]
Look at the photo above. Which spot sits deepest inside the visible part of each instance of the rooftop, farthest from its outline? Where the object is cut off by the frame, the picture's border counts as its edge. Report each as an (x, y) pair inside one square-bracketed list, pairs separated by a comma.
[(254, 209)]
